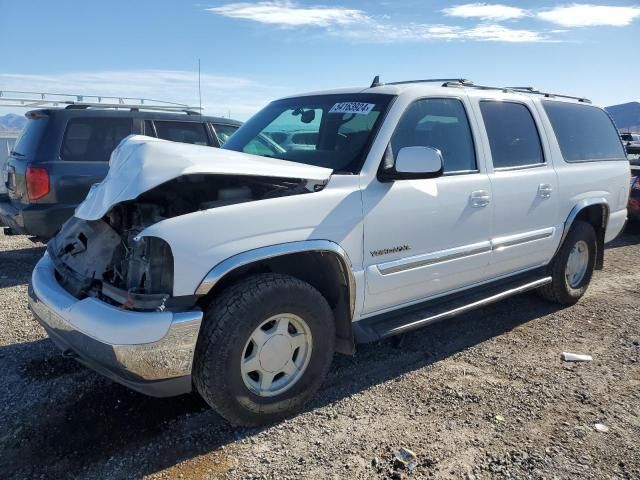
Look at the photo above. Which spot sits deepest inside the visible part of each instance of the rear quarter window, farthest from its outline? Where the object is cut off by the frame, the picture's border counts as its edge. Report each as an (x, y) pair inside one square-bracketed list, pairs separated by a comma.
[(585, 133), (29, 139)]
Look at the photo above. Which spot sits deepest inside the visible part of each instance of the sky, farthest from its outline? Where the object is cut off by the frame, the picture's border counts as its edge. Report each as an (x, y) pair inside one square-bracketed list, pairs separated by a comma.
[(254, 52)]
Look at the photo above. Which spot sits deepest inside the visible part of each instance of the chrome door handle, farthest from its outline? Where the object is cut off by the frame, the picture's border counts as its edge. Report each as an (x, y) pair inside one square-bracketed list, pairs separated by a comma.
[(480, 198), (545, 190)]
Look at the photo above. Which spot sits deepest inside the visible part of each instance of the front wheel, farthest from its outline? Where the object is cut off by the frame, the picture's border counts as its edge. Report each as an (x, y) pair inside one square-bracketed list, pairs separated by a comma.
[(266, 345), (572, 267)]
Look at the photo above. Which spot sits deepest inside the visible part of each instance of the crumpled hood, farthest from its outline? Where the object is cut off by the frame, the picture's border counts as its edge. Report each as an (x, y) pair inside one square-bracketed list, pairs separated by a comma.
[(141, 163)]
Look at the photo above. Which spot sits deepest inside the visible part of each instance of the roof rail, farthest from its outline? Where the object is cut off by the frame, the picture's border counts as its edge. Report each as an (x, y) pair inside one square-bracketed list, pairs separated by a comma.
[(459, 81), (14, 98), (531, 90), (463, 82), (547, 94)]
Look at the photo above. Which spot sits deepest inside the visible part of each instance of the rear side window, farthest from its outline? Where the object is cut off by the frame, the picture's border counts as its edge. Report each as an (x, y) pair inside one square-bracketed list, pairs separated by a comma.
[(29, 139), (223, 132), (513, 135), (584, 133), (183, 132), (438, 123), (93, 139)]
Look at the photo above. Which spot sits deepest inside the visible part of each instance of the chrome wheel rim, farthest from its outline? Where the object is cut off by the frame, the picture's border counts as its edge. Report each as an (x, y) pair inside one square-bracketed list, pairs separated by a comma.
[(577, 264), (276, 355)]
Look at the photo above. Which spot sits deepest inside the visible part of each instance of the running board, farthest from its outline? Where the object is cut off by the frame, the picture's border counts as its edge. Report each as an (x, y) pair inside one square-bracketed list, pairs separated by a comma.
[(416, 316)]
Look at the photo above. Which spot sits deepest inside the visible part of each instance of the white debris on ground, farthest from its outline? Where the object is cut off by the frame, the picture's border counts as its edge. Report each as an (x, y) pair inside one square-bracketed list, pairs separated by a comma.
[(576, 357)]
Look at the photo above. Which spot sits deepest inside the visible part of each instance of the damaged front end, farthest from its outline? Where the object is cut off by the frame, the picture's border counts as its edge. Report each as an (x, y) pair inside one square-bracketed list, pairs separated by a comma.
[(108, 259)]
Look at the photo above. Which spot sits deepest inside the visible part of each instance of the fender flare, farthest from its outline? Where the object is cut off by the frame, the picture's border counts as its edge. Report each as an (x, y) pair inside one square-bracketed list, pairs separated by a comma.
[(248, 257), (578, 207)]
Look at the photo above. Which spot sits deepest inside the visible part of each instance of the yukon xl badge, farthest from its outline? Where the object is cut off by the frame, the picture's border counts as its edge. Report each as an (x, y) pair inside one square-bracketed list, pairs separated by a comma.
[(387, 251)]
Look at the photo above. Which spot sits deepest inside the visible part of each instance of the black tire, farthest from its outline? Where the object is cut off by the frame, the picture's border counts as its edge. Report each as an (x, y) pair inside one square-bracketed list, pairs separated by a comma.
[(228, 324), (559, 290)]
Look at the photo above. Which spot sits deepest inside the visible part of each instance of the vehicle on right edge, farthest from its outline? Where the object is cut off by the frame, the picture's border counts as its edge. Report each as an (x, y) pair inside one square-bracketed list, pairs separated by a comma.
[(630, 139), (238, 272), (633, 153)]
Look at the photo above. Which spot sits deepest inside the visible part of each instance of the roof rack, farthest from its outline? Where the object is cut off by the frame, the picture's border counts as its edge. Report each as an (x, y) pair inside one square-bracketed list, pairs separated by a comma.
[(14, 98), (463, 82), (459, 81), (547, 94)]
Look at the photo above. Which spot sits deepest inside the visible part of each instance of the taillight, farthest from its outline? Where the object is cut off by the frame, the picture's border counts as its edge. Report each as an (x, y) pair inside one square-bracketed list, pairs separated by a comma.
[(37, 182)]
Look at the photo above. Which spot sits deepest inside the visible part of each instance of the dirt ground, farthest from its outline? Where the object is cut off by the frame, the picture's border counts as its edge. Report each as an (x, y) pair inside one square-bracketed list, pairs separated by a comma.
[(484, 395)]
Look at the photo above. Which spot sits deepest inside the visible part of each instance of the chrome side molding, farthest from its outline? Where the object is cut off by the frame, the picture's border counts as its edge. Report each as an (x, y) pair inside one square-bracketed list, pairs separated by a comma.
[(518, 239), (409, 263), (417, 261)]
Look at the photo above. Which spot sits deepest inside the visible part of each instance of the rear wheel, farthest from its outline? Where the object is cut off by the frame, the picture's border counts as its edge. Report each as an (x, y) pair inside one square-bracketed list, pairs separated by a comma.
[(573, 265), (266, 345)]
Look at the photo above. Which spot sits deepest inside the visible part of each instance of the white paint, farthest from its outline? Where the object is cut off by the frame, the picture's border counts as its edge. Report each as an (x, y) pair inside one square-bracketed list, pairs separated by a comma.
[(503, 208)]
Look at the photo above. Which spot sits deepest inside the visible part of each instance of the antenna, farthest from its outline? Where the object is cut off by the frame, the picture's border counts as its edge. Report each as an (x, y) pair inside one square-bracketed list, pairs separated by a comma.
[(376, 82), (199, 90)]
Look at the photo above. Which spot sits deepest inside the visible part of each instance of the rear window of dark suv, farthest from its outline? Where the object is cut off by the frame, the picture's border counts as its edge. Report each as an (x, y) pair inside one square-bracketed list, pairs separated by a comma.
[(29, 139), (585, 133), (93, 139)]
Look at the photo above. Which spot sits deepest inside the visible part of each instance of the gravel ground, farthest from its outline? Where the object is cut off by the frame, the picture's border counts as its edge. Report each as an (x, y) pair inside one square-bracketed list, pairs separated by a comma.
[(484, 395)]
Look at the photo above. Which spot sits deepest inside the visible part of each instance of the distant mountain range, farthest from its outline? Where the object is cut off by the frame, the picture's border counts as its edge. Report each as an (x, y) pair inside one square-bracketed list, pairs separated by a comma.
[(626, 115), (11, 121)]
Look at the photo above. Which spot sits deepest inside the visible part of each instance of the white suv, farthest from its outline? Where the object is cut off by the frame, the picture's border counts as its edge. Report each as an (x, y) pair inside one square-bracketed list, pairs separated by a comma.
[(238, 272)]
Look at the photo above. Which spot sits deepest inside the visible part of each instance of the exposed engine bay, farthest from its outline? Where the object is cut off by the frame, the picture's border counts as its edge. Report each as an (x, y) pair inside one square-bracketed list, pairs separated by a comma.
[(105, 258)]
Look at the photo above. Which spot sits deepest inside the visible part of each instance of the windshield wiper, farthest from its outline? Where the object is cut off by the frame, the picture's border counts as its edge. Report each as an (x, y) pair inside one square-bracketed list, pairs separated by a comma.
[(16, 154)]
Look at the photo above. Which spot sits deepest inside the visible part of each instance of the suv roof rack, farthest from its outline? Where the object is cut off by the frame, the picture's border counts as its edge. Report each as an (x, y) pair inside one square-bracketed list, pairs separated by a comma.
[(547, 94), (463, 82), (459, 81), (15, 98)]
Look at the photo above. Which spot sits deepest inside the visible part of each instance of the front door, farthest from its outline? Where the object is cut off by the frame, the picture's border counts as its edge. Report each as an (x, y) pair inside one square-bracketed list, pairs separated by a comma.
[(423, 238)]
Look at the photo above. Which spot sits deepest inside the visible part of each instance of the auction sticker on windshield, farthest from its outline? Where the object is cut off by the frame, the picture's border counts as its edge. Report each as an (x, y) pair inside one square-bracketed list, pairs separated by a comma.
[(358, 108)]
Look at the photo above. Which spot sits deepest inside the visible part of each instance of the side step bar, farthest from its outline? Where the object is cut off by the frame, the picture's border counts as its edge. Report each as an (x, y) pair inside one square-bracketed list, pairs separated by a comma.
[(416, 316)]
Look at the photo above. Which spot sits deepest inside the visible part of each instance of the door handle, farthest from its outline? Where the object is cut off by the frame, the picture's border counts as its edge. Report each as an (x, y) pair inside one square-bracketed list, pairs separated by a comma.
[(545, 190), (480, 198)]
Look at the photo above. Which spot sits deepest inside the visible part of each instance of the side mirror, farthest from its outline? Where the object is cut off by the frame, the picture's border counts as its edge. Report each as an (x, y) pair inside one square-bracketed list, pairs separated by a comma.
[(414, 163)]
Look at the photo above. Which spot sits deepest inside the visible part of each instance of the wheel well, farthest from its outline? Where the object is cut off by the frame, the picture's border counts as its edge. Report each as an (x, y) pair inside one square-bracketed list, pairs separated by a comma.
[(596, 215), (324, 270)]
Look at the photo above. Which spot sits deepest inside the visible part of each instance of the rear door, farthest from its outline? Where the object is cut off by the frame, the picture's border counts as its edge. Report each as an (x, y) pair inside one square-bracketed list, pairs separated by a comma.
[(524, 186), (84, 156)]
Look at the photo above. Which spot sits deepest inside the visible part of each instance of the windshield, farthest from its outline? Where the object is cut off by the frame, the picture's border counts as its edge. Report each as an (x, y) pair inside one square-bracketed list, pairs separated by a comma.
[(332, 131)]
